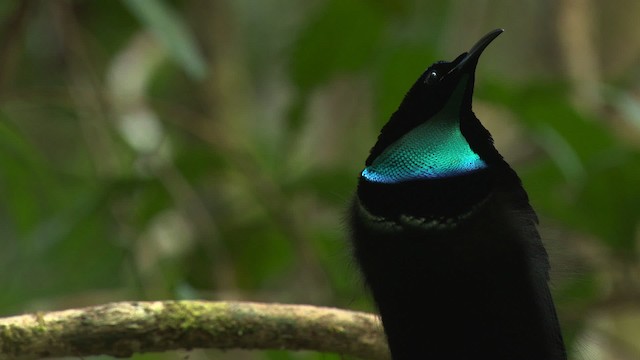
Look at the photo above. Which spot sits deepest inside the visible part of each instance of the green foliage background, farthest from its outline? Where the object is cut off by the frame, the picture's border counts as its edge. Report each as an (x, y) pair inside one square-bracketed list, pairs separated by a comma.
[(208, 149)]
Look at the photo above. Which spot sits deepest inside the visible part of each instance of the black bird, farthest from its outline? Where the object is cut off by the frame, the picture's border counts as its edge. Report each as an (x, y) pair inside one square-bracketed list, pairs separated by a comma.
[(444, 234)]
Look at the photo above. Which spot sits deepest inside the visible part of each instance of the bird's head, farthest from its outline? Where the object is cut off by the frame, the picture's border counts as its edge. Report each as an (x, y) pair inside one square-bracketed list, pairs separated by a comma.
[(434, 134)]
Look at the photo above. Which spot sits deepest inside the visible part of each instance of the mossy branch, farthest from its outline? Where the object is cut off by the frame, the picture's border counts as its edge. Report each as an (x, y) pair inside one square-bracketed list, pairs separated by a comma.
[(121, 329)]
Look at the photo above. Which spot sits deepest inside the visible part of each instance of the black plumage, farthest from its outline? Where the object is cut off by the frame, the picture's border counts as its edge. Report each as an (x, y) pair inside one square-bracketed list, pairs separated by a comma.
[(444, 234)]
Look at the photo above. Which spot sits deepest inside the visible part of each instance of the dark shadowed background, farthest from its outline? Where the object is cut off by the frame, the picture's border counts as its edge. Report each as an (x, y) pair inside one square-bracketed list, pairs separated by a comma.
[(208, 149)]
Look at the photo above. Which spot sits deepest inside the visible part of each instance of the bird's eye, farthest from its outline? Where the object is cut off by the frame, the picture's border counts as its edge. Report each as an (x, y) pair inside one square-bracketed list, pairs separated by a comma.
[(432, 77)]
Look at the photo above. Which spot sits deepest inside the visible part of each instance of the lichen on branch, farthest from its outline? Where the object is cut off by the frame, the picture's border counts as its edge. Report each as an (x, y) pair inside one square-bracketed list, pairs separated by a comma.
[(121, 329)]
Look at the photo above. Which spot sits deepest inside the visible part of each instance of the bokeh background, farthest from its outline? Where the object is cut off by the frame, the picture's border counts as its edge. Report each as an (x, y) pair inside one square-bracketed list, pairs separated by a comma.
[(195, 149)]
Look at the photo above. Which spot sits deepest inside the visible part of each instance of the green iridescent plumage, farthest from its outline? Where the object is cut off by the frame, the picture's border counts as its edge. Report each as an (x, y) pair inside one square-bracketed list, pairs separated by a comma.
[(435, 149)]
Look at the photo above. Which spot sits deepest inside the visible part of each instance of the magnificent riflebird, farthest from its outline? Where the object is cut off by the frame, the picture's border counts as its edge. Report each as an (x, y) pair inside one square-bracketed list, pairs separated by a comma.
[(444, 234)]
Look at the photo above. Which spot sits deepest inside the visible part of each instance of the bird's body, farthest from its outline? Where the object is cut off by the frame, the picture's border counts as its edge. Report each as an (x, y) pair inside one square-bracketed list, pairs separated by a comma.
[(445, 236)]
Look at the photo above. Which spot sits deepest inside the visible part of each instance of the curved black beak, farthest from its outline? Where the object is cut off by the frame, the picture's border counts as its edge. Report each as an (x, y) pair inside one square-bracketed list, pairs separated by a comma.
[(472, 56)]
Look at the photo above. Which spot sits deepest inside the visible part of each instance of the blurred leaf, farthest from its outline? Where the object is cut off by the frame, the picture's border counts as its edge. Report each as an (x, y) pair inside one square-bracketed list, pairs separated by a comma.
[(332, 186), (21, 171), (590, 173), (341, 37), (99, 17), (538, 104), (169, 28), (627, 104), (262, 253)]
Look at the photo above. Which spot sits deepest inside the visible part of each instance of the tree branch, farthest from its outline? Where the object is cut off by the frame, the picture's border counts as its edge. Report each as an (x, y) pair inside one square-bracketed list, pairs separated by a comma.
[(121, 329)]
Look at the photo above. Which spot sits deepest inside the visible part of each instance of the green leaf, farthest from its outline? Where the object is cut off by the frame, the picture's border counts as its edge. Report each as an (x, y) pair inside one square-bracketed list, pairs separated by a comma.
[(341, 38), (169, 28), (21, 171), (588, 179)]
